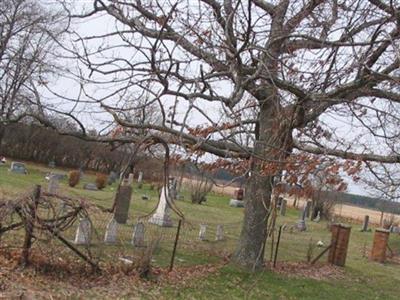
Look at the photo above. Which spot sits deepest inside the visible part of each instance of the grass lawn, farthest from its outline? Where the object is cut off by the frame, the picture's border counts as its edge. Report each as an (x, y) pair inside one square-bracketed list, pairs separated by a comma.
[(360, 279)]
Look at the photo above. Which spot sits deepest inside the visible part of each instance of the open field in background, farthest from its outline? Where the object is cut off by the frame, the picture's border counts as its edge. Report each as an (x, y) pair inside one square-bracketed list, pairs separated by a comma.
[(341, 210), (360, 279)]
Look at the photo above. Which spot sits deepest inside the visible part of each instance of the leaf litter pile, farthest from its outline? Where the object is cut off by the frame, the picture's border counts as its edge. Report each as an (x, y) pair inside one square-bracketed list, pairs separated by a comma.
[(302, 269), (66, 278)]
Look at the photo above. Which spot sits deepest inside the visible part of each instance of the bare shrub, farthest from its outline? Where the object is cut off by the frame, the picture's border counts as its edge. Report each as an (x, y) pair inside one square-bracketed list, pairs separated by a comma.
[(73, 178), (200, 186), (101, 181)]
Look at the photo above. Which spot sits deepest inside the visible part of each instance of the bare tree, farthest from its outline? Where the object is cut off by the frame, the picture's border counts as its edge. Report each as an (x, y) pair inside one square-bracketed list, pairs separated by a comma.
[(27, 30), (259, 83)]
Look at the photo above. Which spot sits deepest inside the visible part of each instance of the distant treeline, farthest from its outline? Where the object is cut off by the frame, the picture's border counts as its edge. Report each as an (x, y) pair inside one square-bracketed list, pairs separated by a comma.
[(43, 145)]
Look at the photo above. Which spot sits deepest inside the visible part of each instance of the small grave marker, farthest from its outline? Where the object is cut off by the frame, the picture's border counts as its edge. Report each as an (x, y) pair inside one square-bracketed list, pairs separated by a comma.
[(110, 236), (202, 232), (83, 232), (138, 235)]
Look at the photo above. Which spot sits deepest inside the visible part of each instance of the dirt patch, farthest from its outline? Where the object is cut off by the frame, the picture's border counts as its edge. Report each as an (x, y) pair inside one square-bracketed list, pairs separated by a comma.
[(317, 271)]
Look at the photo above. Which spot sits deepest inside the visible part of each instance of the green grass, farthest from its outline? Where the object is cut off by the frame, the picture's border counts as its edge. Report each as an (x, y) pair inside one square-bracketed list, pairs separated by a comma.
[(362, 279)]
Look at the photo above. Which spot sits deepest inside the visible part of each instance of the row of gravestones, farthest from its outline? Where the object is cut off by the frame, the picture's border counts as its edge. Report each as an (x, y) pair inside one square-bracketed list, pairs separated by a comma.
[(392, 229), (84, 231)]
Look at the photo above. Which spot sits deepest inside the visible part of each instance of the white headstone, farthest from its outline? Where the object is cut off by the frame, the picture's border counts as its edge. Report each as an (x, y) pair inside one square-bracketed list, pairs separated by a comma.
[(83, 232), (53, 185), (138, 235), (140, 177), (318, 217), (220, 233), (202, 232), (111, 232), (162, 215), (130, 179)]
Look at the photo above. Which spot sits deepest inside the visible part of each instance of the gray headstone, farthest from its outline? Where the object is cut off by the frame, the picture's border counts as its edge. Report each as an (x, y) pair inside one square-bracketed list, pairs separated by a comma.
[(301, 225), (110, 236), (52, 164), (17, 167), (396, 229), (307, 209), (365, 223), (83, 232), (236, 203), (138, 235), (90, 187), (173, 183), (53, 185), (219, 236), (202, 232), (122, 203), (283, 207), (112, 177), (162, 215)]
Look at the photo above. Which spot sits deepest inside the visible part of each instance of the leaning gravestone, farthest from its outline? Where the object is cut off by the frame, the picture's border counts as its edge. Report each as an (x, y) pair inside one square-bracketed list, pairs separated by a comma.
[(17, 167), (202, 232), (220, 233), (162, 215), (110, 236), (122, 203), (83, 232), (53, 185), (365, 224), (138, 235)]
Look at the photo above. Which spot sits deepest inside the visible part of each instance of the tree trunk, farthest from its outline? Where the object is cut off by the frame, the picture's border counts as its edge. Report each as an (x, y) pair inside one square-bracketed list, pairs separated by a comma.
[(274, 141), (249, 253)]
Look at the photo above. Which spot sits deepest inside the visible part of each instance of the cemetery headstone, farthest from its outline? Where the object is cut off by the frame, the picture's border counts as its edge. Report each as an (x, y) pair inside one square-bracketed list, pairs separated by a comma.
[(53, 185), (112, 177), (17, 167), (52, 164), (301, 225), (162, 215), (365, 224), (283, 207), (219, 233), (138, 235), (173, 183), (202, 232), (83, 232), (130, 179), (318, 217), (140, 177), (122, 203), (308, 209), (110, 236), (236, 203), (90, 187)]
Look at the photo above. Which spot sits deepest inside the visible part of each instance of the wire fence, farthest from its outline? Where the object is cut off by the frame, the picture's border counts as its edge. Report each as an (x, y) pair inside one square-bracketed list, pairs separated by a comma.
[(106, 243)]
